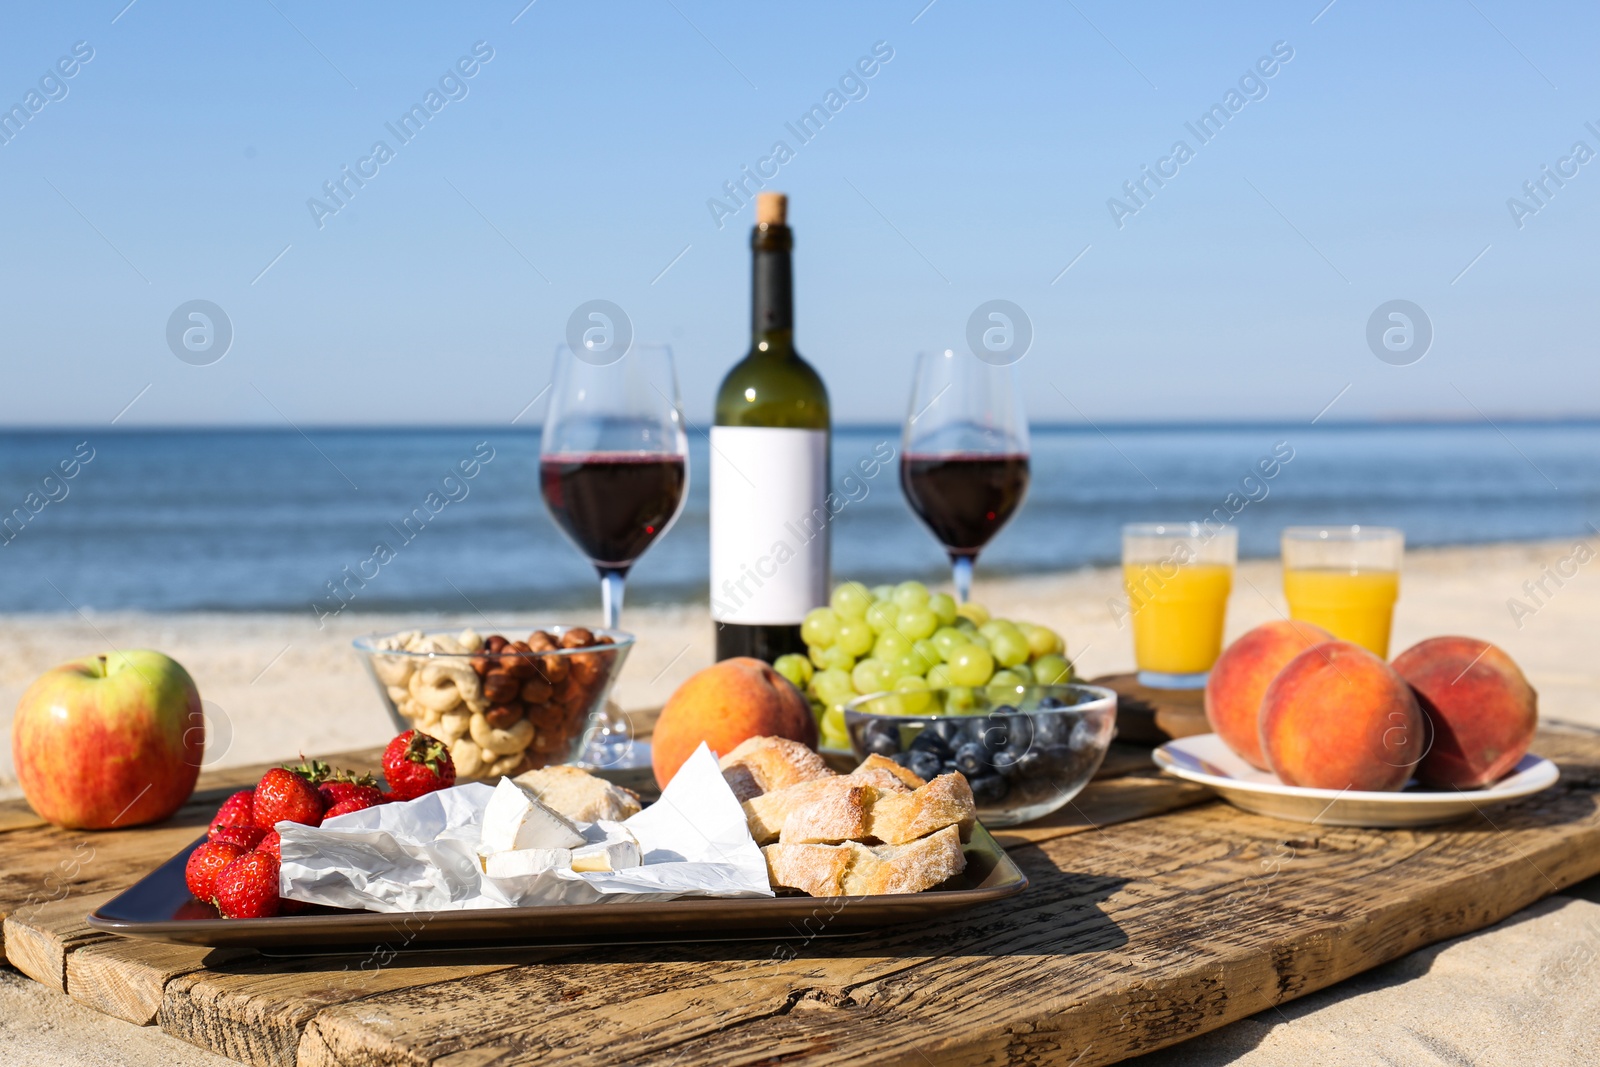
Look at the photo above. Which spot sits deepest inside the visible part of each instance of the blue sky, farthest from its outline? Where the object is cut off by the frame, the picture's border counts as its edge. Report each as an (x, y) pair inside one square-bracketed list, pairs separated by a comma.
[(976, 163)]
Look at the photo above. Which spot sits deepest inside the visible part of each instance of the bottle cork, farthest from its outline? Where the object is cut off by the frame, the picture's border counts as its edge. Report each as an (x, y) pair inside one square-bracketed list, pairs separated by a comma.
[(771, 209)]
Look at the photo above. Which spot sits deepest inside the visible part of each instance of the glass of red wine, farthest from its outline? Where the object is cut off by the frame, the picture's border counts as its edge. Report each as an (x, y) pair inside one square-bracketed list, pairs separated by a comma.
[(964, 463), (613, 462)]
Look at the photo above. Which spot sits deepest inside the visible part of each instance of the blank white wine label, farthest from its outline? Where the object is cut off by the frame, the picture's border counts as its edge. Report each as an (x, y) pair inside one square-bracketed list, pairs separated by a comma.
[(769, 524)]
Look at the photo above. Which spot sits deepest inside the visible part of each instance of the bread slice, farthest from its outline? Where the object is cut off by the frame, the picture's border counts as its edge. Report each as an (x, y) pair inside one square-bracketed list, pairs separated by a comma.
[(876, 768), (853, 869), (840, 813), (765, 764), (768, 813), (900, 817), (579, 795)]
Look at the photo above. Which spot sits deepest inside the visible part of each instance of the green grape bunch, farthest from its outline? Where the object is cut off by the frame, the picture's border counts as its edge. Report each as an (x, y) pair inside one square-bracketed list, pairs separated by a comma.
[(904, 638)]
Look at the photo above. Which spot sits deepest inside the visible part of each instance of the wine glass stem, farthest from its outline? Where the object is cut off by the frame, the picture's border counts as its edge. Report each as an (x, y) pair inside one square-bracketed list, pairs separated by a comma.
[(961, 569), (611, 597)]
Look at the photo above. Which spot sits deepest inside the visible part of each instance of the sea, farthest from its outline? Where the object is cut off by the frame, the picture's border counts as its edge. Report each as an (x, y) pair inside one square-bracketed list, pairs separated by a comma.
[(263, 520)]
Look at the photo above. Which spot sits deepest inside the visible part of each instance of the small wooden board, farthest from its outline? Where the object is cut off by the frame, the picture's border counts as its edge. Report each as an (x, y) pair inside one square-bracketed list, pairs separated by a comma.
[(1150, 716), (1133, 935)]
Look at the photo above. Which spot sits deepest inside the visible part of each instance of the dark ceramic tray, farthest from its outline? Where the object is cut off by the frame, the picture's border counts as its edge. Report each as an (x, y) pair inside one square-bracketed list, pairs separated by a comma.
[(159, 907)]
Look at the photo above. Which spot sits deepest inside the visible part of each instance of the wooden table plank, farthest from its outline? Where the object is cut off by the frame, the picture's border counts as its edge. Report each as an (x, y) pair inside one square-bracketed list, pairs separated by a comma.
[(125, 977), (40, 937)]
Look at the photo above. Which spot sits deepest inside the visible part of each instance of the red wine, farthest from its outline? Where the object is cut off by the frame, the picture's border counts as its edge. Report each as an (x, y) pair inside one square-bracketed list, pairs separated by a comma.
[(613, 504), (964, 497)]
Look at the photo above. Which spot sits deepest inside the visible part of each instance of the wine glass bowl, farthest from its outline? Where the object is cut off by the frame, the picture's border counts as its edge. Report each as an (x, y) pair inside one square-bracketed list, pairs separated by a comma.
[(613, 459), (964, 464)]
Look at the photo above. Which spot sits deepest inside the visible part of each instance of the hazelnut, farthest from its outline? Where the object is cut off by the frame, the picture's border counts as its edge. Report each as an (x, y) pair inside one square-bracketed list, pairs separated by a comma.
[(480, 664), (577, 637), (519, 661), (604, 640), (536, 690), (540, 641), (499, 687), (494, 642), (586, 668), (554, 668), (501, 716)]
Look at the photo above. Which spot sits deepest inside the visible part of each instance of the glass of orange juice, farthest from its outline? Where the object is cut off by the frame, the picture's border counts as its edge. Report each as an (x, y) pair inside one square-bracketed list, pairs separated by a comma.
[(1177, 577), (1344, 579)]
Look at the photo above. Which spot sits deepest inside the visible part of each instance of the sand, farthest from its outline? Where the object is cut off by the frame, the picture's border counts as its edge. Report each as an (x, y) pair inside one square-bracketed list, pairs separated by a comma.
[(276, 685), (1521, 992)]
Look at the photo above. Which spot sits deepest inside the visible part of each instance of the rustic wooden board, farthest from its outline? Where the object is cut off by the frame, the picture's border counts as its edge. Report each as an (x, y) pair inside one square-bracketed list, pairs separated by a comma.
[(1150, 716), (1131, 938), (41, 864)]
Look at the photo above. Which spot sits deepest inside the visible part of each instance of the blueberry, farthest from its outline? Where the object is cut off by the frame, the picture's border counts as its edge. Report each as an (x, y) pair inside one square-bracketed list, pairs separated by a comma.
[(989, 789), (1051, 729), (948, 730), (949, 767), (882, 738), (903, 758), (933, 742), (1031, 764), (1084, 734), (1003, 709), (971, 759), (1055, 759), (924, 764), (1008, 763), (1019, 732), (1051, 703)]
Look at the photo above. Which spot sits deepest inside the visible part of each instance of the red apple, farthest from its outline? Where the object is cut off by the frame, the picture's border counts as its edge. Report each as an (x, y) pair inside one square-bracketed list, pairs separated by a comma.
[(109, 741)]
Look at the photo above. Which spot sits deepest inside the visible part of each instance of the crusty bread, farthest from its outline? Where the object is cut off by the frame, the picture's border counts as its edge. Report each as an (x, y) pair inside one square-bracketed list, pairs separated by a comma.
[(579, 795), (875, 768), (765, 764), (945, 801), (769, 812), (842, 813), (853, 869)]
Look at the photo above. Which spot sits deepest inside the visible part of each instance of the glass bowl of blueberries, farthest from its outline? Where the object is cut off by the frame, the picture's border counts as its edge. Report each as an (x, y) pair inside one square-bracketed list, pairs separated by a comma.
[(1025, 750)]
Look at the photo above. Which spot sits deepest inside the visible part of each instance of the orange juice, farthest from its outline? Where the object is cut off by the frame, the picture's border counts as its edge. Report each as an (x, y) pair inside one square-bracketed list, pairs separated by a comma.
[(1178, 612), (1352, 605)]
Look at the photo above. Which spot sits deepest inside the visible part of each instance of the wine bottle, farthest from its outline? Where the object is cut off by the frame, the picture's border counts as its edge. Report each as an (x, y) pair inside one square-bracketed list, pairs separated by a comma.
[(770, 523)]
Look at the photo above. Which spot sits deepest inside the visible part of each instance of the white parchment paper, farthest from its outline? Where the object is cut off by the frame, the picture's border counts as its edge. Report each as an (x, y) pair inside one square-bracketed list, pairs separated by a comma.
[(420, 855)]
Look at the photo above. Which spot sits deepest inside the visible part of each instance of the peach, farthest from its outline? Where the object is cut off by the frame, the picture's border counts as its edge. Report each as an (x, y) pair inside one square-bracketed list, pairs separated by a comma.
[(1240, 679), (1338, 717), (1482, 709), (724, 705)]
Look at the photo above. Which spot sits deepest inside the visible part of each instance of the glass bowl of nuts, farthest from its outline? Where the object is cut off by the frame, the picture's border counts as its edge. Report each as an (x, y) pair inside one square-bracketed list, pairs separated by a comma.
[(502, 706)]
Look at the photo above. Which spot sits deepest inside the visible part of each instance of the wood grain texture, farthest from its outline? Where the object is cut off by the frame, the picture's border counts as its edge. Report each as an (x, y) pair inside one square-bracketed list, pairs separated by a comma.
[(1133, 935), (40, 937), (125, 977), (1130, 939), (41, 864)]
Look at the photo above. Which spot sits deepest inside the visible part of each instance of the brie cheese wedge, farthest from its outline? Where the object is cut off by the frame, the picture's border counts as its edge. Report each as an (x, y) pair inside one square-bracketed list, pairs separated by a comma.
[(615, 849), (514, 820), (526, 862)]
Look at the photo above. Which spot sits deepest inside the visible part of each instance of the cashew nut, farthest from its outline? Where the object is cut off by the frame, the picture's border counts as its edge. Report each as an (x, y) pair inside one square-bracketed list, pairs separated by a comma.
[(398, 694), (470, 640), (453, 725), (503, 765), (435, 688), (510, 741), (392, 670), (467, 757)]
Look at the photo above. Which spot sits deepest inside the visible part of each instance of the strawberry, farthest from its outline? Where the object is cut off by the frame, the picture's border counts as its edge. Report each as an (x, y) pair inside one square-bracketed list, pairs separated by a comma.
[(284, 796), (245, 837), (415, 763), (337, 792), (247, 888), (355, 803), (235, 811), (269, 845), (200, 873)]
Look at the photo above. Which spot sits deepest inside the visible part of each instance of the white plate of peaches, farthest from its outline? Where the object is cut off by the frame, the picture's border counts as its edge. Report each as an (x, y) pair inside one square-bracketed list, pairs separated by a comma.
[(1311, 729)]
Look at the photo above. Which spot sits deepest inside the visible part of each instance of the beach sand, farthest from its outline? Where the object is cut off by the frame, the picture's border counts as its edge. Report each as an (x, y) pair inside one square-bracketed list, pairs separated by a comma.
[(278, 686)]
